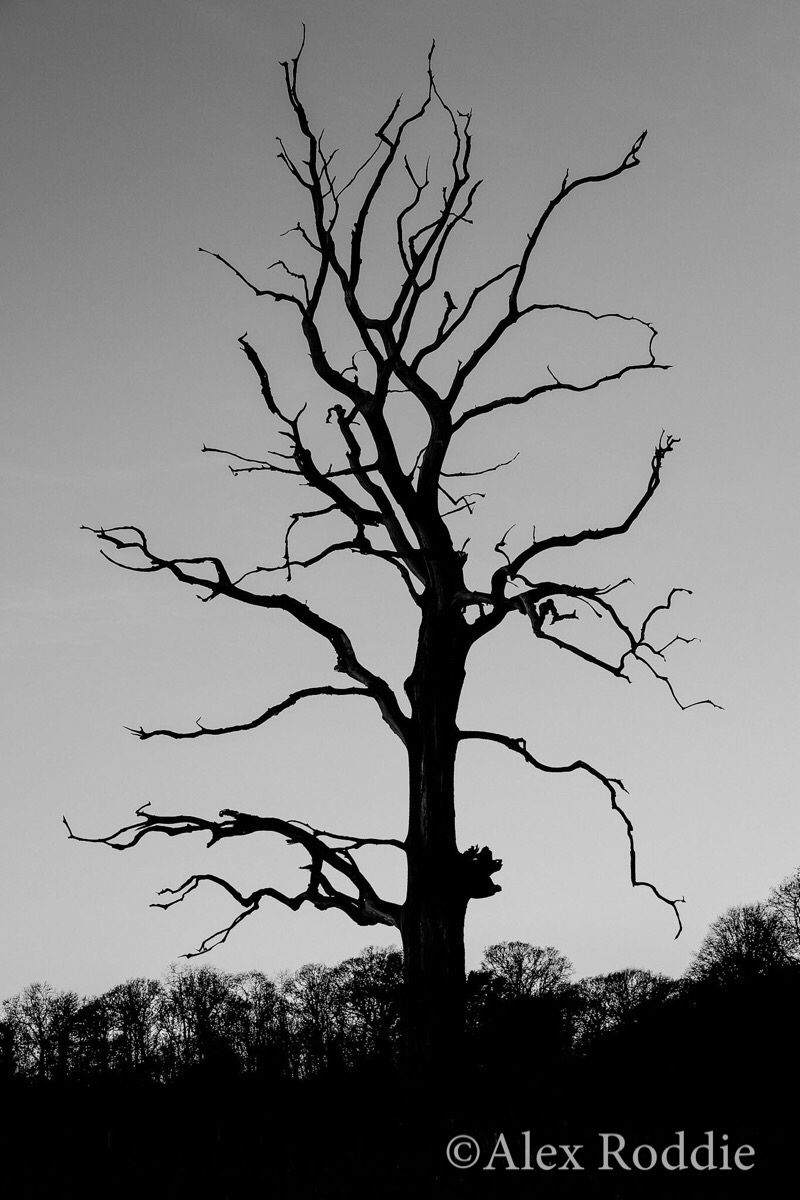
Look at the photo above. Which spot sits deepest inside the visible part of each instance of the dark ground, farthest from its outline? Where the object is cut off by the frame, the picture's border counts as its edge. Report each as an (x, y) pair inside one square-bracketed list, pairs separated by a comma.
[(726, 1063)]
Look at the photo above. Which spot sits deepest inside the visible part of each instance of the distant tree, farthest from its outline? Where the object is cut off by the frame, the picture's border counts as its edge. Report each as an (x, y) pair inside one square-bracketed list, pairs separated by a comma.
[(8, 1063), (618, 1000), (196, 1016), (784, 902), (519, 1008), (259, 1024), (134, 1009), (91, 1037), (317, 1017), (746, 942), (393, 486), (43, 1023), (373, 989), (518, 969)]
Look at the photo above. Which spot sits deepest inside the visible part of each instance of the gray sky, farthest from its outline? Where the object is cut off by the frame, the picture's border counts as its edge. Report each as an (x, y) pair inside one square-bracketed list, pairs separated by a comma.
[(132, 134)]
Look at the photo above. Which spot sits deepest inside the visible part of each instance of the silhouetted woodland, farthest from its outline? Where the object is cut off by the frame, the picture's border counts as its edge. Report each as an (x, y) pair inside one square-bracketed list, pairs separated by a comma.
[(206, 1083)]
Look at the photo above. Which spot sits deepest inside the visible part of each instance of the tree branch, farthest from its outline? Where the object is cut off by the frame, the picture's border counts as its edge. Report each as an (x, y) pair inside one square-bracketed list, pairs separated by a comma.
[(446, 330), (320, 480), (539, 605), (346, 660), (665, 445), (364, 908), (513, 313), (267, 715), (612, 786), (274, 295), (392, 145), (558, 385)]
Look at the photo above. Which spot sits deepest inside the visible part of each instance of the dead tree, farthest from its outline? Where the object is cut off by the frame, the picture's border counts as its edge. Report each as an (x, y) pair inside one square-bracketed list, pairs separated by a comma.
[(398, 508)]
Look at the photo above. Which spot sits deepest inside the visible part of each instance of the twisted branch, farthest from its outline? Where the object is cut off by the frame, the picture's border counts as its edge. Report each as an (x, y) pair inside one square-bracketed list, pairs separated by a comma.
[(538, 603), (347, 661), (612, 786), (365, 907)]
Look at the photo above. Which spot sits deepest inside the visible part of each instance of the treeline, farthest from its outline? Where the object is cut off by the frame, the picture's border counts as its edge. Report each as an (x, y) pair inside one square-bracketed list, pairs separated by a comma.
[(328, 1020)]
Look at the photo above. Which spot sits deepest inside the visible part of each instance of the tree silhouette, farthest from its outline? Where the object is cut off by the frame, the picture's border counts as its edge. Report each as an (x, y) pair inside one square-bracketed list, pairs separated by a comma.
[(519, 970), (372, 987), (784, 901), (42, 1024), (616, 1001), (135, 1009), (745, 943), (259, 1026), (397, 502)]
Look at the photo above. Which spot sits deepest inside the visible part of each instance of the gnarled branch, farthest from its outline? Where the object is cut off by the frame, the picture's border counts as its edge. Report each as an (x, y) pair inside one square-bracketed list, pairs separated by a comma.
[(613, 787), (363, 906), (512, 567), (539, 605), (347, 661)]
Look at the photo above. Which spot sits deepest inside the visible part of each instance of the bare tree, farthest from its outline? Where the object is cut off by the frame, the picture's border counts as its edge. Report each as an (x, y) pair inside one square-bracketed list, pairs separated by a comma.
[(199, 1007), (134, 1009), (618, 1000), (259, 1024), (397, 505), (521, 970), (746, 942), (784, 901), (372, 986), (316, 1002), (43, 1024)]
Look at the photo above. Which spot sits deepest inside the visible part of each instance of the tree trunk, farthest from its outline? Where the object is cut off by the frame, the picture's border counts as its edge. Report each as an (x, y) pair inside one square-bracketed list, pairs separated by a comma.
[(436, 901)]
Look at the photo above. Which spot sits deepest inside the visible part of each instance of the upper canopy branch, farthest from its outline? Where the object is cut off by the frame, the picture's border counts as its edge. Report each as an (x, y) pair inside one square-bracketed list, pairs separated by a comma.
[(392, 144), (365, 907), (513, 312), (382, 336), (383, 502), (613, 788), (321, 186), (558, 385), (447, 327), (322, 481), (271, 292), (434, 234), (222, 585)]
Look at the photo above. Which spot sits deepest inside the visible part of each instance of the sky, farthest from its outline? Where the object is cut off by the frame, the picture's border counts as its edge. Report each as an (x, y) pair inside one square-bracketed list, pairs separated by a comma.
[(133, 134)]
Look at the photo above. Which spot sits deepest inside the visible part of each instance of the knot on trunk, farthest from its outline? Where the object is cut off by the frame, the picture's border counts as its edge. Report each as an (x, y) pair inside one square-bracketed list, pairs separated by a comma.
[(477, 868)]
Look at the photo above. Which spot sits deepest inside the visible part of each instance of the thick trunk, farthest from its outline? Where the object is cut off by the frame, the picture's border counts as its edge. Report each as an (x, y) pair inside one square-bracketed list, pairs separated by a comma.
[(436, 901), (433, 948)]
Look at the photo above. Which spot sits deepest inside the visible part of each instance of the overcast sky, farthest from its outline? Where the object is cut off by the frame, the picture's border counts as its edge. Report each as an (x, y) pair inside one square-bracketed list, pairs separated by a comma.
[(134, 133)]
